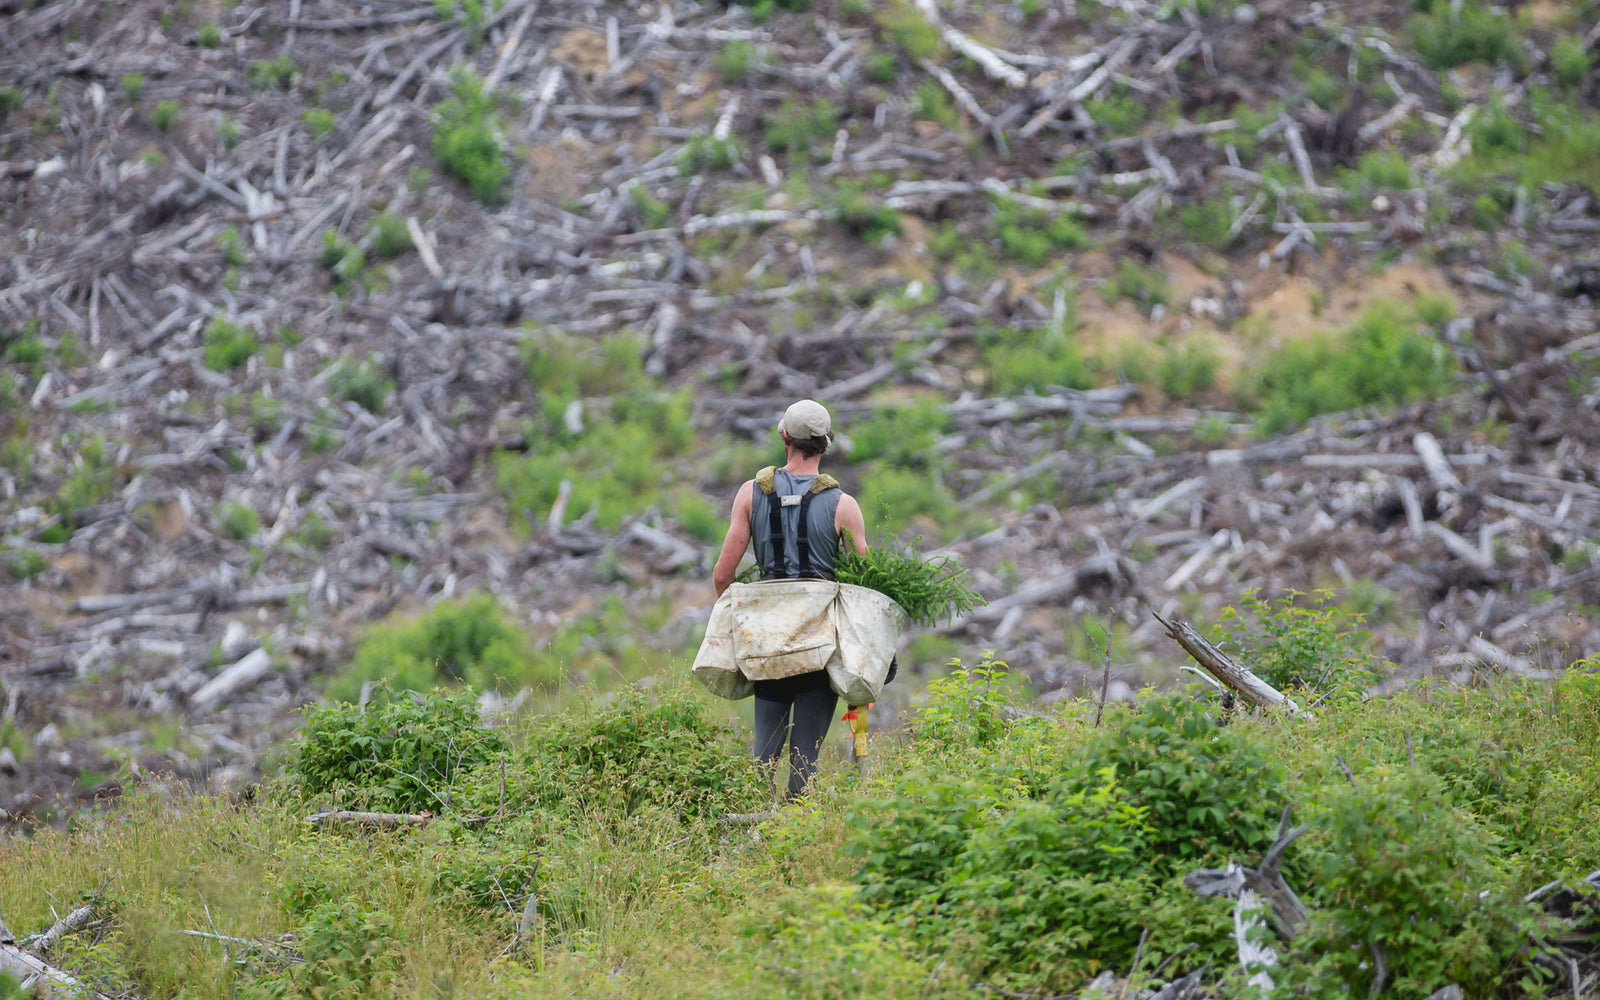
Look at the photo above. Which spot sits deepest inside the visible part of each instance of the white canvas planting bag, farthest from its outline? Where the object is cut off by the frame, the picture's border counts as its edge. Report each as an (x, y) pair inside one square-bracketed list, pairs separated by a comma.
[(780, 628)]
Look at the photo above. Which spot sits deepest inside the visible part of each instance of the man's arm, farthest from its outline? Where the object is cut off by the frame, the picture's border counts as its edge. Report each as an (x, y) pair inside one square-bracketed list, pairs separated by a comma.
[(737, 540), (847, 517)]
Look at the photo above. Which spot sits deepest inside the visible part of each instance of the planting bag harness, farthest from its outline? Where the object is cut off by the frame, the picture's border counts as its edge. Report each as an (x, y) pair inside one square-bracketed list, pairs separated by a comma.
[(797, 619), (780, 558)]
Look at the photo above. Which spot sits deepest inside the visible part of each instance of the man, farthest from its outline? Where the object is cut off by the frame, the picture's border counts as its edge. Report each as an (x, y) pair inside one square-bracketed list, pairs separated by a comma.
[(795, 516)]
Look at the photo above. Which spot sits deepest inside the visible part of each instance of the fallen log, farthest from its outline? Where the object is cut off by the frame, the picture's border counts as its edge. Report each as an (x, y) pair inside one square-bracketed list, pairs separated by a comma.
[(378, 820), (1221, 666)]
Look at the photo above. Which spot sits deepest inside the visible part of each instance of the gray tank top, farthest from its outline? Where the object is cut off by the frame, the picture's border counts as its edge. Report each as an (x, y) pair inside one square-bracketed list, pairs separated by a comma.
[(821, 537)]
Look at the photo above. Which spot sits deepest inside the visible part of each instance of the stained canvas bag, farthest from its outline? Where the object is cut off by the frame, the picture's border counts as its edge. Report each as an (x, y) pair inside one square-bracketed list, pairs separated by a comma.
[(780, 628)]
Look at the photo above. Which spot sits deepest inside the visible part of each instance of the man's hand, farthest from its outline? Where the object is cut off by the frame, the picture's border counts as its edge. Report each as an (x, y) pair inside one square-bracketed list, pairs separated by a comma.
[(736, 541)]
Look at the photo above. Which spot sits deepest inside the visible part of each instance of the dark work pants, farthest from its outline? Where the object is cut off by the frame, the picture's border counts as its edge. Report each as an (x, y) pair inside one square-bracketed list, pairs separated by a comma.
[(810, 700)]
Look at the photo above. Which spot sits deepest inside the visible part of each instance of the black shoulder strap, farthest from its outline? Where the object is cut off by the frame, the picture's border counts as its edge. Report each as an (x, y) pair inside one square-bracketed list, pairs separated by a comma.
[(802, 542), (775, 536)]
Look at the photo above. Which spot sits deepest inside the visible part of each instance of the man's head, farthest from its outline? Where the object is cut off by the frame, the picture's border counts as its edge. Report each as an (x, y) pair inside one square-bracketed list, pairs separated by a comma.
[(807, 428)]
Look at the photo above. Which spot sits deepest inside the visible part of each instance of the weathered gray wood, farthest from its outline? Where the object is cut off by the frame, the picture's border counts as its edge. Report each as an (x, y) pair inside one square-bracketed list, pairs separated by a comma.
[(1221, 666)]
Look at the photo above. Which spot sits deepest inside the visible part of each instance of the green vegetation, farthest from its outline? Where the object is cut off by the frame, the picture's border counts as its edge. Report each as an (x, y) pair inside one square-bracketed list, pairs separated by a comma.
[(208, 35), (132, 87), (363, 382), (908, 29), (227, 131), (1027, 852), (1033, 236), (927, 590), (930, 103), (237, 519), (1145, 286), (466, 640), (1560, 144), (345, 262), (1021, 360), (1119, 113), (319, 121), (735, 59), (862, 215), (165, 115), (388, 235), (467, 138), (1448, 34), (705, 152), (1385, 358), (800, 128), (267, 74), (10, 100), (228, 345)]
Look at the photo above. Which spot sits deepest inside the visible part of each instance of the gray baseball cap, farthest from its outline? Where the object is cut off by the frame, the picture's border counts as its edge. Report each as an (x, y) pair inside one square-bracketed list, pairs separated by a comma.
[(806, 419)]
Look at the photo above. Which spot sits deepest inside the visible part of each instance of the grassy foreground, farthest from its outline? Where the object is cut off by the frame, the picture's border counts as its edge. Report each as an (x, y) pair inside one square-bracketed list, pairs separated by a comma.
[(1025, 852)]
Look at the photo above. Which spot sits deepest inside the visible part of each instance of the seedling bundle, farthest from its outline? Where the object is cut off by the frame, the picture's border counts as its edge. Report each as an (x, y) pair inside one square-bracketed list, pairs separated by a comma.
[(927, 589)]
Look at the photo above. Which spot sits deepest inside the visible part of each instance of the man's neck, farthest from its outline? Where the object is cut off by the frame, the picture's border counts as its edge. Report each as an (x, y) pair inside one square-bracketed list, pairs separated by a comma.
[(799, 465)]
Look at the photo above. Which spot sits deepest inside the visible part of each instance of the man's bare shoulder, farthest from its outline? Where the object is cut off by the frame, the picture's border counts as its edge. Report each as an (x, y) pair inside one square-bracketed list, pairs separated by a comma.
[(742, 497)]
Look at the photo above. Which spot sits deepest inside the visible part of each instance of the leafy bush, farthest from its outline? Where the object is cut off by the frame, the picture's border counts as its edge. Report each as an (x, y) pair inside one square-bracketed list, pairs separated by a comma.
[(904, 435), (1119, 113), (1312, 648), (893, 497), (801, 127), (363, 382), (638, 752), (265, 74), (165, 115), (10, 100), (132, 87), (966, 707), (1384, 358), (734, 60), (930, 103), (1385, 169), (402, 754), (464, 640), (1146, 286), (1399, 871), (705, 152), (228, 345), (208, 35), (467, 138), (863, 216), (1031, 236), (346, 262), (908, 29), (347, 952), (1208, 222), (926, 591), (1446, 37), (389, 235), (319, 121), (1569, 62), (238, 520), (1020, 361)]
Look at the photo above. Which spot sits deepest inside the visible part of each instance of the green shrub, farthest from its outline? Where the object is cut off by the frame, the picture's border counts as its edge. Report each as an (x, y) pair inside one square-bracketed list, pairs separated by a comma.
[(227, 131), (1569, 62), (930, 103), (25, 348), (1446, 37), (1397, 868), (705, 152), (734, 60), (265, 74), (389, 235), (881, 67), (908, 29), (862, 215), (228, 345), (1207, 223), (891, 498), (132, 87), (1385, 169), (208, 35), (347, 953), (1384, 358), (1032, 236), (363, 383), (468, 640), (1020, 361), (345, 262), (904, 435), (799, 128), (238, 520), (1495, 131), (401, 754), (10, 100), (467, 138), (653, 213), (319, 121), (639, 752), (1306, 646), (1145, 286), (165, 115), (966, 707), (1119, 113), (1188, 369)]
